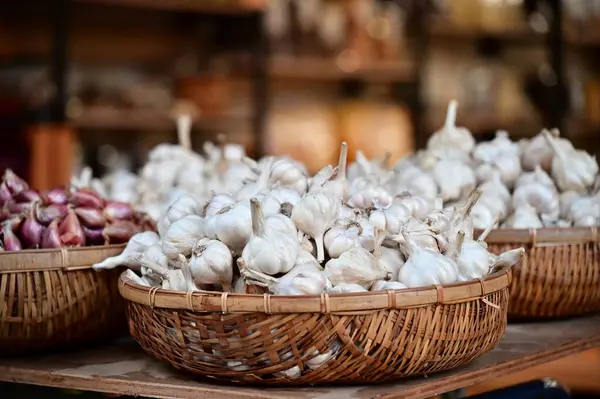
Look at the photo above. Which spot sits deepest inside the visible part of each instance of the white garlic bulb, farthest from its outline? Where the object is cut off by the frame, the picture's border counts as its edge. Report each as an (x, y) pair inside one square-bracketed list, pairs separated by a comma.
[(538, 153), (355, 266), (280, 200), (288, 173), (300, 280), (524, 217), (341, 238), (258, 188), (392, 261), (391, 218), (454, 179), (573, 169), (183, 206), (218, 202), (346, 288), (282, 223), (314, 214), (537, 176), (130, 255), (269, 251), (382, 285), (337, 185), (451, 135), (322, 177), (566, 199), (539, 196), (181, 236), (232, 225), (155, 260), (211, 263)]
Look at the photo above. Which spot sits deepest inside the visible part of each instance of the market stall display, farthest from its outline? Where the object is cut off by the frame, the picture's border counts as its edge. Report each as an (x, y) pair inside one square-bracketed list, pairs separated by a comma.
[(51, 296)]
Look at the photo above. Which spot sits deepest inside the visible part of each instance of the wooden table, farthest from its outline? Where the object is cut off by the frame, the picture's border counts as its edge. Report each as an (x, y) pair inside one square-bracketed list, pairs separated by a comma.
[(122, 368)]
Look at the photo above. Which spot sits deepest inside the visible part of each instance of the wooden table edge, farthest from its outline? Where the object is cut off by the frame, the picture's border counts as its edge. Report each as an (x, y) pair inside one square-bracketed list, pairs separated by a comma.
[(455, 380)]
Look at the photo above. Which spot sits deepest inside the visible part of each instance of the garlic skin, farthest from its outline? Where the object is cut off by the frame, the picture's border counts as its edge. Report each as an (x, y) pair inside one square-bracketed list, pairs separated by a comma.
[(451, 135), (355, 266), (218, 202), (129, 257), (341, 238), (183, 206), (211, 263), (382, 285), (538, 153), (454, 179), (181, 236), (300, 280), (281, 223), (524, 217), (572, 169), (155, 260), (317, 181), (347, 288), (232, 226), (314, 214), (269, 251), (391, 260), (540, 197), (279, 200)]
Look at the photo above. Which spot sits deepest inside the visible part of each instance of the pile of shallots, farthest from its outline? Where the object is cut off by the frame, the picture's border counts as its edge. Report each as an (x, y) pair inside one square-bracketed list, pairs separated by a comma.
[(287, 234), (541, 182), (62, 218)]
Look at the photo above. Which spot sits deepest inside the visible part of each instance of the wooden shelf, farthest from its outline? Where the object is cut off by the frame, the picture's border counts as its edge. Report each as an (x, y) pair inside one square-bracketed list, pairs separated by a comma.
[(201, 6), (122, 368), (450, 31), (334, 69), (147, 120)]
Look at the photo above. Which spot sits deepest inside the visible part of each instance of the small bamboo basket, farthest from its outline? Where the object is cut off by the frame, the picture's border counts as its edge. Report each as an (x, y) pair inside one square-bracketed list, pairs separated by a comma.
[(52, 299), (362, 337), (559, 276)]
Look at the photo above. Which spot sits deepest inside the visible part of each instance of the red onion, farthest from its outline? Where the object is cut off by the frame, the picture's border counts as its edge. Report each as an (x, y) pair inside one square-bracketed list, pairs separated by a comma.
[(31, 230), (71, 233), (86, 198), (13, 182), (93, 236), (118, 211), (10, 240), (18, 207), (51, 236), (5, 194), (47, 214), (27, 195), (90, 217), (15, 221), (57, 196), (119, 232)]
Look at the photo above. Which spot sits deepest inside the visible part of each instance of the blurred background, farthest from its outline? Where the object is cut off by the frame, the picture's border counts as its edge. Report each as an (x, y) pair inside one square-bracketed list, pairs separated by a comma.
[(98, 82)]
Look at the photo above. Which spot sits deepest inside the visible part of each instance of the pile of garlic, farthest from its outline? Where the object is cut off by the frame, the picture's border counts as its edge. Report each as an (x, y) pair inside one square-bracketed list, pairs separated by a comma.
[(542, 182), (288, 234)]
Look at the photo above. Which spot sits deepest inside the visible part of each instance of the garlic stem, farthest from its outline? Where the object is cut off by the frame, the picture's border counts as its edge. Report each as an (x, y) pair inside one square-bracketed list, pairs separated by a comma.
[(460, 238), (187, 273), (469, 204), (385, 161), (363, 162), (320, 249), (258, 218), (487, 231), (265, 174), (379, 237), (341, 172), (550, 139), (450, 122), (184, 127)]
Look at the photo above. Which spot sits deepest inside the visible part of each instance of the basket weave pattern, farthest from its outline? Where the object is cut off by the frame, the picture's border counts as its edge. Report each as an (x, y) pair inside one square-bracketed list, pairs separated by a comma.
[(381, 344), (45, 306), (554, 281)]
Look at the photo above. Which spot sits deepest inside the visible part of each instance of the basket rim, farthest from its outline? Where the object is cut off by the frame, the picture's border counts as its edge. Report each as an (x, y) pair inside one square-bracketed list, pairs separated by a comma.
[(543, 236), (223, 302), (68, 259)]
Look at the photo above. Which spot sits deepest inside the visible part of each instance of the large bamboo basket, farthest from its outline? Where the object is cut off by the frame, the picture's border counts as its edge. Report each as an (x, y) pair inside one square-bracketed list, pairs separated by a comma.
[(381, 335), (51, 299), (559, 275)]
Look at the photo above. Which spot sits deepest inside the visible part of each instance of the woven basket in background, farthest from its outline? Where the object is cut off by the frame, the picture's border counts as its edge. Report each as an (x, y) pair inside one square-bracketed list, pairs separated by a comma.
[(559, 275), (52, 299), (379, 336)]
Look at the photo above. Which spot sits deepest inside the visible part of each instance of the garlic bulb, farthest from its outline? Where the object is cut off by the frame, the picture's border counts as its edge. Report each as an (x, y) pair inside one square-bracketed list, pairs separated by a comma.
[(183, 206), (355, 266), (391, 218), (524, 217), (320, 359), (280, 200), (419, 207), (130, 274), (541, 197), (258, 188), (269, 251), (232, 226), (129, 257), (314, 214), (413, 180), (289, 173), (538, 152), (451, 135), (382, 285), (337, 185), (300, 280), (211, 263), (281, 223), (421, 234), (537, 176), (565, 200), (371, 195), (341, 238), (155, 260), (346, 288), (322, 177), (218, 202), (454, 179), (572, 169), (392, 261), (424, 267), (182, 235)]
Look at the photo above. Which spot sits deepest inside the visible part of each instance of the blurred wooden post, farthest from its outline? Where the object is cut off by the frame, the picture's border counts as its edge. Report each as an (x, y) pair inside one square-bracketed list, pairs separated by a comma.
[(52, 149)]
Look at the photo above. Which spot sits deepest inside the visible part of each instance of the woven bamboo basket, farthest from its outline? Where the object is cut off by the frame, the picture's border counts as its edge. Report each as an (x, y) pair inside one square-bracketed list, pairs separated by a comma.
[(559, 275), (52, 299), (376, 337)]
